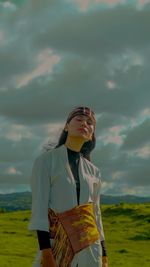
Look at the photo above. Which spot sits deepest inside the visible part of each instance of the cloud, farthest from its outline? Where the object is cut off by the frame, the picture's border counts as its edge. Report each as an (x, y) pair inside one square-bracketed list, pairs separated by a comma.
[(8, 5), (12, 170), (100, 30), (55, 55), (87, 80), (84, 5), (12, 151), (137, 136), (122, 173), (46, 60), (143, 152), (20, 145)]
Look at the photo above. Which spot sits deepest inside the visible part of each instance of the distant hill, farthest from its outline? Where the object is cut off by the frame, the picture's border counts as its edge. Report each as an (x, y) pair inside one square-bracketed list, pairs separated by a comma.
[(107, 199), (22, 201), (15, 201)]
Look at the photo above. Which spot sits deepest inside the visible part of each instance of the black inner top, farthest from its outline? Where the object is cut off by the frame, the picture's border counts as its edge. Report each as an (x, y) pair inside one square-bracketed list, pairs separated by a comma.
[(74, 158)]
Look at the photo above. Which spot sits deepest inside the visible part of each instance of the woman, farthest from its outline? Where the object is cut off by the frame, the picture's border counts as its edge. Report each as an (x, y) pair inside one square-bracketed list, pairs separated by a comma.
[(65, 198)]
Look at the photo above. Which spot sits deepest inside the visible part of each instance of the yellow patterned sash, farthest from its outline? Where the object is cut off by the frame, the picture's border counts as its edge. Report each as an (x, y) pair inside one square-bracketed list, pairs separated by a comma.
[(72, 231)]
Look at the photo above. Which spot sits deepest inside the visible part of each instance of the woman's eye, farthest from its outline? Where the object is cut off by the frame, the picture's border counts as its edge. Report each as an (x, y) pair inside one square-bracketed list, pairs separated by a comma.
[(88, 122)]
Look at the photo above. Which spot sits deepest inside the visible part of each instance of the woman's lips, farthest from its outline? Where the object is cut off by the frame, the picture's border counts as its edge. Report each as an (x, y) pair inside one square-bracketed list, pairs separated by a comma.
[(82, 130)]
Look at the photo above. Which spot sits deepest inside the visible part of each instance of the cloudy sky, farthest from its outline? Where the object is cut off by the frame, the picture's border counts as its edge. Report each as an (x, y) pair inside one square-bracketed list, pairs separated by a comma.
[(57, 54)]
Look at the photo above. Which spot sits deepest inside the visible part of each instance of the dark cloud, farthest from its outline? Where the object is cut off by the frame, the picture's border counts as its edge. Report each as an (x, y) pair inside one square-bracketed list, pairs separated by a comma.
[(14, 63), (18, 151), (137, 136), (139, 173), (78, 82), (123, 173), (109, 159), (98, 33)]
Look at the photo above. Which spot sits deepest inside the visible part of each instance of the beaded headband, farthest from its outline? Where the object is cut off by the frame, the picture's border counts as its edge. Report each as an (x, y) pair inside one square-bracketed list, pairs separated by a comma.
[(82, 111)]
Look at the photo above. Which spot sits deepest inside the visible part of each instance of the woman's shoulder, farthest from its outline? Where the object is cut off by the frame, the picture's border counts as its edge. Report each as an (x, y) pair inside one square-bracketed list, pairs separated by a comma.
[(44, 155), (48, 152)]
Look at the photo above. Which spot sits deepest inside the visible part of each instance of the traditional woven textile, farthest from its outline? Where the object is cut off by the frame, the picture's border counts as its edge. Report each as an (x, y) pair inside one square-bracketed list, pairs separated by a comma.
[(72, 231)]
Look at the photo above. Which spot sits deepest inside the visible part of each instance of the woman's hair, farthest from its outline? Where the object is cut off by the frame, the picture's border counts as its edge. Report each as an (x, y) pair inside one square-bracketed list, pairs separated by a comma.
[(87, 146)]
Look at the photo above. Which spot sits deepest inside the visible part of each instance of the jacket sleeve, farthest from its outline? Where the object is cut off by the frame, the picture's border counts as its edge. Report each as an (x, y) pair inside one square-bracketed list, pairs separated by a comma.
[(40, 187), (96, 189)]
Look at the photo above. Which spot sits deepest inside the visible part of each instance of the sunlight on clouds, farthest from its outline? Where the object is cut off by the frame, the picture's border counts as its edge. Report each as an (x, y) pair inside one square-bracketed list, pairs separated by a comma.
[(146, 112), (124, 61), (53, 131), (52, 128), (17, 132), (107, 186), (128, 191), (116, 175), (137, 190), (134, 122), (115, 129), (114, 140), (143, 2), (113, 136), (142, 116), (124, 189), (84, 5), (110, 2), (111, 84), (45, 63), (9, 5), (143, 152), (13, 171)]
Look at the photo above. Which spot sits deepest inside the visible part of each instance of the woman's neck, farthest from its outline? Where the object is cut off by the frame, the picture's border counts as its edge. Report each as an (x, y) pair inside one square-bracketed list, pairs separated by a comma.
[(74, 143)]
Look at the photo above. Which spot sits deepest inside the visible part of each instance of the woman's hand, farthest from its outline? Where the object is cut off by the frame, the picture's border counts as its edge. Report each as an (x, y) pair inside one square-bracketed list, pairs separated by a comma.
[(104, 261), (47, 258)]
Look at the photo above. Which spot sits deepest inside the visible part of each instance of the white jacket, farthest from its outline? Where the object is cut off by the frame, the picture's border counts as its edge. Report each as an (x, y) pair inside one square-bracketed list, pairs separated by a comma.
[(53, 186)]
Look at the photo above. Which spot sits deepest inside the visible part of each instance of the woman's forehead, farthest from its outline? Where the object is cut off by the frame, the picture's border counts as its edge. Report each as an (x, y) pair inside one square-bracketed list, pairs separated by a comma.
[(84, 116)]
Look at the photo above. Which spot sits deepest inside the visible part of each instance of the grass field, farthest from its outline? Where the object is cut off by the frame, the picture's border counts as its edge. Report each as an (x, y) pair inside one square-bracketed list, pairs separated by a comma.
[(127, 232)]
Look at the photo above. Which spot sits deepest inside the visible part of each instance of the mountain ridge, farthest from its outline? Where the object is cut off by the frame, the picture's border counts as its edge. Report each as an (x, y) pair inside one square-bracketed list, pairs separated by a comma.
[(22, 200)]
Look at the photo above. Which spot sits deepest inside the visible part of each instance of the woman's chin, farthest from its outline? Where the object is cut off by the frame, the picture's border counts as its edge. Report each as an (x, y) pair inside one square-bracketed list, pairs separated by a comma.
[(81, 136)]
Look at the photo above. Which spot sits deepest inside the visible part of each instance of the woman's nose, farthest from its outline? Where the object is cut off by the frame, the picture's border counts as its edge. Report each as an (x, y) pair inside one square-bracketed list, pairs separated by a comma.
[(84, 123)]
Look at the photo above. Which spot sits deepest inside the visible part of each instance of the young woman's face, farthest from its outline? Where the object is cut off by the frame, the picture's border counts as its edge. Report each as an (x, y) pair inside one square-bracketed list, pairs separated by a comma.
[(81, 126)]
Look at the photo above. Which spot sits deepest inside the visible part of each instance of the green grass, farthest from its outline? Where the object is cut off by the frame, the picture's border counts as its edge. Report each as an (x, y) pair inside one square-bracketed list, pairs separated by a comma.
[(127, 232), (17, 244)]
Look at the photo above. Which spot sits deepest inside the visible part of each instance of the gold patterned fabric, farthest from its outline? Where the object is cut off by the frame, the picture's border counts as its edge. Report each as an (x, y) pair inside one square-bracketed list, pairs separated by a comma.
[(72, 231)]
